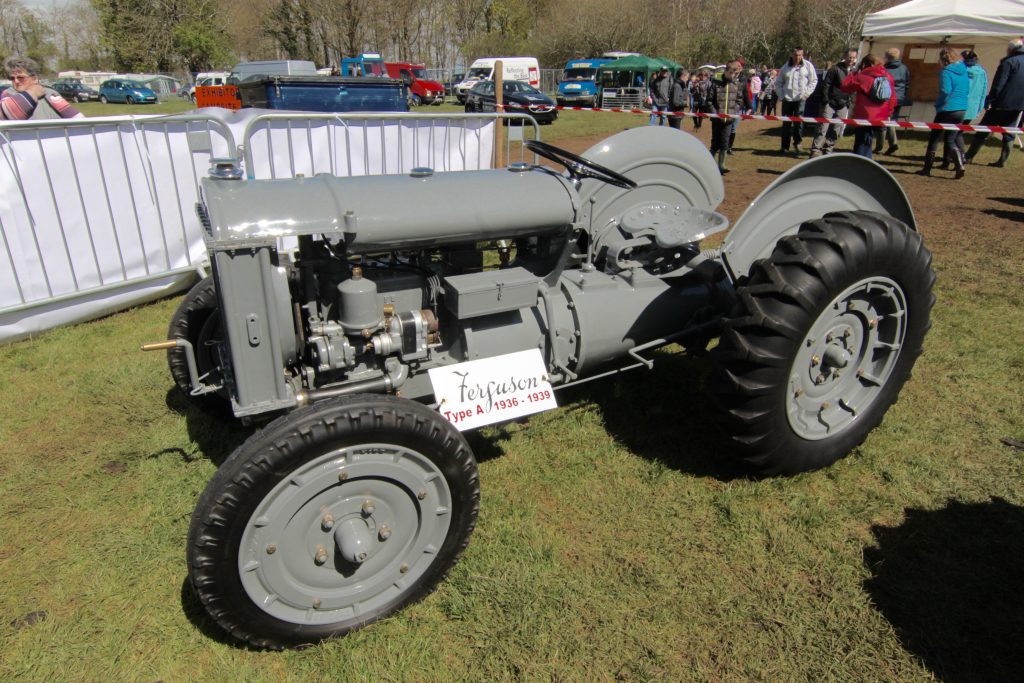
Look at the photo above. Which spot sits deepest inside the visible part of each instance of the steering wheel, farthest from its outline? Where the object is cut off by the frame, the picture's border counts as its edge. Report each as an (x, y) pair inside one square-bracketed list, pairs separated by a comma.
[(577, 166)]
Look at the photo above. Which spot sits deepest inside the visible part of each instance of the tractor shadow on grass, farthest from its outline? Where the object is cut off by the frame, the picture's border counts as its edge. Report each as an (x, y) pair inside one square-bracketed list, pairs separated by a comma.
[(204, 623), (664, 415), (950, 583), (214, 430)]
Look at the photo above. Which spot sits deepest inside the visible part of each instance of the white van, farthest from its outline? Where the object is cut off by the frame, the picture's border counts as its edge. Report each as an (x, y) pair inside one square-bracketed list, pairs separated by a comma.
[(513, 69), (243, 71), (204, 78)]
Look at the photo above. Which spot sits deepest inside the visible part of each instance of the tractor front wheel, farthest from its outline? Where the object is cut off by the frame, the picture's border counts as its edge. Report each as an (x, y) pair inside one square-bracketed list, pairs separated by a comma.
[(332, 517)]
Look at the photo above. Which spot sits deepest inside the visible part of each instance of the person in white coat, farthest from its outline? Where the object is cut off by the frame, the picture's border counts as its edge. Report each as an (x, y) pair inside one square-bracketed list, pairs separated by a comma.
[(794, 84)]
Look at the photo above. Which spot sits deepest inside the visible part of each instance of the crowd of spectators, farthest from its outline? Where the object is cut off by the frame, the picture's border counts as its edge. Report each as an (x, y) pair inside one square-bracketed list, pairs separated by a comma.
[(872, 88)]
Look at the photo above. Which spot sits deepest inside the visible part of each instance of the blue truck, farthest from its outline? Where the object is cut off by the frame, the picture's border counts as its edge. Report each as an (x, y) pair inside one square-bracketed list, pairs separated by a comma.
[(579, 85), (366, 65)]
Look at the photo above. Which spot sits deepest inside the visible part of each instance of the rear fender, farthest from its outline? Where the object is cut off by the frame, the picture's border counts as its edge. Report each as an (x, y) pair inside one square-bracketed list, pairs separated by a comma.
[(835, 182)]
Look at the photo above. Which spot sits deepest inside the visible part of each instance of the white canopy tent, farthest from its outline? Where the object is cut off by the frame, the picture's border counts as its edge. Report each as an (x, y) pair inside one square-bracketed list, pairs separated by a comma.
[(919, 28)]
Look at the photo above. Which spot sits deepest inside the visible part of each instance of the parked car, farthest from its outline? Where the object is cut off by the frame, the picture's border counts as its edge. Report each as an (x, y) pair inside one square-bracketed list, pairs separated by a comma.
[(523, 97), (73, 90), (126, 91), (449, 85)]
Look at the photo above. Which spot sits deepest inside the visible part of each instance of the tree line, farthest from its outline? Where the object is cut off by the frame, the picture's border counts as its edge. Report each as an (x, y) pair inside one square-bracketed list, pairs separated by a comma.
[(177, 36)]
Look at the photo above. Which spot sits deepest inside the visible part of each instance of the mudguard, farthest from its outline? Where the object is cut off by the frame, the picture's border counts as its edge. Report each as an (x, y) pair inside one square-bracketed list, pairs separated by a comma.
[(835, 182), (668, 167)]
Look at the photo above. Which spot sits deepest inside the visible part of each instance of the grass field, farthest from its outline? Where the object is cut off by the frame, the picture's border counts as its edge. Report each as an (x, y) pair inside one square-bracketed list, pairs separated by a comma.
[(613, 541)]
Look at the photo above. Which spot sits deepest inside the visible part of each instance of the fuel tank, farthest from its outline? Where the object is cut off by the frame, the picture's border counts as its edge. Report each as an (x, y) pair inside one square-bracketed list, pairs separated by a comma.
[(376, 213)]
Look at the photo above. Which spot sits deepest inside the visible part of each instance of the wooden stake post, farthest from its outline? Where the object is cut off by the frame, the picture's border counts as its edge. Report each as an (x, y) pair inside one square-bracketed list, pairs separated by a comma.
[(499, 128)]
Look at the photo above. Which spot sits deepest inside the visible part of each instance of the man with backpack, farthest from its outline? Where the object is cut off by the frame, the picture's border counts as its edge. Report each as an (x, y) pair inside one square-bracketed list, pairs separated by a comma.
[(836, 104), (901, 81), (875, 99)]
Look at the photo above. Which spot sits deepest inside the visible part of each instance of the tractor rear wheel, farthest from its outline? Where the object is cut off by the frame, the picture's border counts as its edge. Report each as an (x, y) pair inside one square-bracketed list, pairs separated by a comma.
[(332, 517), (826, 332)]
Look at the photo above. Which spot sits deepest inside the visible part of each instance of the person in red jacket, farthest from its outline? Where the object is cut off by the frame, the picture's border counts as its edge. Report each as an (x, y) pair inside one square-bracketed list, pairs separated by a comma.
[(861, 83)]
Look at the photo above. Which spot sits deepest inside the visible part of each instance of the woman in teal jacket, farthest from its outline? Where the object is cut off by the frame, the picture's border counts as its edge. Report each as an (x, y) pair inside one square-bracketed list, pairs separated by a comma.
[(950, 107), (975, 97)]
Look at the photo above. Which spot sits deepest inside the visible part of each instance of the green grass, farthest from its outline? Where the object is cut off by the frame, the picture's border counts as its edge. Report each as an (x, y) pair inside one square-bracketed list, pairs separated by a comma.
[(613, 543), (172, 105)]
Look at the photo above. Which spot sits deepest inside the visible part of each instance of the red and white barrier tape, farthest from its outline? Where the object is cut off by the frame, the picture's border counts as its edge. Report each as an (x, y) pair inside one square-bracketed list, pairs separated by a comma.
[(916, 125)]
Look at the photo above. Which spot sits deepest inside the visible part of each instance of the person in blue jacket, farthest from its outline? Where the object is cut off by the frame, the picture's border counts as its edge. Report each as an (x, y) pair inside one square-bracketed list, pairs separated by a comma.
[(950, 107), (975, 97), (1005, 100)]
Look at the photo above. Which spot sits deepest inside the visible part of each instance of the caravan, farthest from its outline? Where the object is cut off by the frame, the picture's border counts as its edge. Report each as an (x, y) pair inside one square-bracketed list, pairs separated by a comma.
[(513, 69)]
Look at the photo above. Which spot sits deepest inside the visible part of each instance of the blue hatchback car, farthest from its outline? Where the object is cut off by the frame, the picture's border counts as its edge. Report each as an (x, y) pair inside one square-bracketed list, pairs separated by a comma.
[(127, 91)]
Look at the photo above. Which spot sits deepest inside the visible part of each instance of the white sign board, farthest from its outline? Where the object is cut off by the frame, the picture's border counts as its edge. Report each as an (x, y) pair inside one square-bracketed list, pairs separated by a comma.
[(489, 390)]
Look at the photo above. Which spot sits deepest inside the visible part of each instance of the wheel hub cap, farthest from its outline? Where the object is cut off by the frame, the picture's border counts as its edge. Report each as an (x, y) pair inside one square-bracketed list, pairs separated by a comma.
[(846, 358), (345, 534)]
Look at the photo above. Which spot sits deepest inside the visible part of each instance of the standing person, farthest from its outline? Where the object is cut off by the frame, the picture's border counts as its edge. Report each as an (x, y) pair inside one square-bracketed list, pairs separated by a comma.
[(836, 104), (794, 84), (742, 81), (768, 93), (754, 90), (975, 98), (950, 106), (679, 99), (726, 95), (701, 97), (868, 104), (1005, 101), (901, 77), (27, 98), (661, 89)]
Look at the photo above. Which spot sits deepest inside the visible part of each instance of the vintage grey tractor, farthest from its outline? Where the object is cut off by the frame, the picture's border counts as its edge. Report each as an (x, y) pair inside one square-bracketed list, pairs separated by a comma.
[(386, 332)]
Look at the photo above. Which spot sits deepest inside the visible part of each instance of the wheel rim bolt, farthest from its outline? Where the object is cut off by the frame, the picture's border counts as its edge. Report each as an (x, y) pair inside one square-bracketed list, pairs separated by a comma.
[(385, 532), (846, 334), (368, 507), (819, 379), (825, 405), (271, 549), (829, 337), (316, 603), (327, 523), (798, 393), (321, 555), (342, 476), (815, 360), (422, 494), (404, 568), (872, 324)]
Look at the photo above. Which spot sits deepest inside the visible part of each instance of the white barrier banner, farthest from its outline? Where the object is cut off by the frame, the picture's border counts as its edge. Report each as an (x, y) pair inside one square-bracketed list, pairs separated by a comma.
[(108, 204)]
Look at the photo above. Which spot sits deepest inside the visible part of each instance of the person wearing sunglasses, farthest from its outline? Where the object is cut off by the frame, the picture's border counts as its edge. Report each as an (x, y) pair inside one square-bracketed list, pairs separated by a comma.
[(27, 98)]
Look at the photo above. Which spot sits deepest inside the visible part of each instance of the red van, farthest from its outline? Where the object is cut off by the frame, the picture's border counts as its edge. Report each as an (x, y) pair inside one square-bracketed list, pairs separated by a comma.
[(421, 91)]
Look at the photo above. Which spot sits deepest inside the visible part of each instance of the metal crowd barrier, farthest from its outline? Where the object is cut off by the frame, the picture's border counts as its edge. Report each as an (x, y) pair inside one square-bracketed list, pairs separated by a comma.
[(420, 140), (63, 212)]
